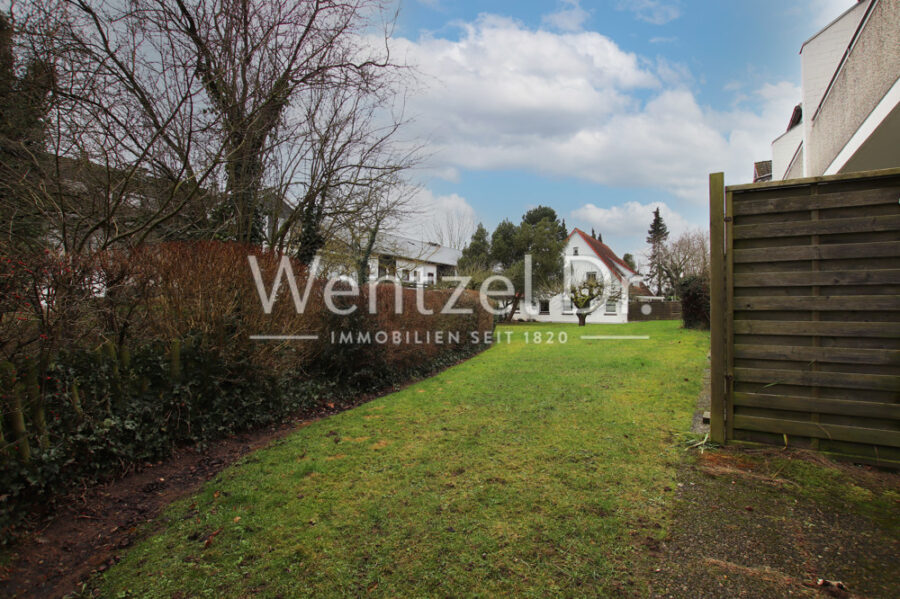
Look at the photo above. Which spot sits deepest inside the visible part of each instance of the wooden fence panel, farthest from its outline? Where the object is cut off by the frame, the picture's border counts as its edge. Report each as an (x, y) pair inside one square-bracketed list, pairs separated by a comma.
[(805, 327), (640, 310)]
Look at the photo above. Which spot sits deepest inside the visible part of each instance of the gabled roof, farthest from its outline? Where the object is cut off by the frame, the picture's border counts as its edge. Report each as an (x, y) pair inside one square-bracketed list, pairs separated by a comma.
[(416, 250), (796, 117), (616, 265), (640, 289)]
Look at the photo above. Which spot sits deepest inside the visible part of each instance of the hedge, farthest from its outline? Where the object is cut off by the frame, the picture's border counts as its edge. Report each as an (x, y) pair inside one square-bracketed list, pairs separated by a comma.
[(694, 294), (116, 359)]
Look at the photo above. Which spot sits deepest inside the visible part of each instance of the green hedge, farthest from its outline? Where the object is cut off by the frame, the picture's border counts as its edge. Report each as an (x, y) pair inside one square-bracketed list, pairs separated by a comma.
[(694, 294), (93, 408)]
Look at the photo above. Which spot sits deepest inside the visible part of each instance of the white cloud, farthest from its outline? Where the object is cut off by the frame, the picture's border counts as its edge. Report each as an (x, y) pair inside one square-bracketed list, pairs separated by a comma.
[(663, 40), (431, 217), (624, 227), (570, 17), (656, 12), (577, 105)]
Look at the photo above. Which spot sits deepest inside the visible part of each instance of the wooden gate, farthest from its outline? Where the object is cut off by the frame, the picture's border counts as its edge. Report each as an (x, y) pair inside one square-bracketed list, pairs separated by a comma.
[(805, 313)]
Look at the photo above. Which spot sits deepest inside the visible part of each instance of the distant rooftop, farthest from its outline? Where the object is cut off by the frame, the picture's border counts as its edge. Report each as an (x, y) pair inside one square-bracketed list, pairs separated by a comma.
[(762, 171), (414, 249)]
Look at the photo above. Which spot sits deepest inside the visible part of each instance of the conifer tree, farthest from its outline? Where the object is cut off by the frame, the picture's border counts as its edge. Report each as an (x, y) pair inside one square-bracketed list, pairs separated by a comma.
[(656, 237)]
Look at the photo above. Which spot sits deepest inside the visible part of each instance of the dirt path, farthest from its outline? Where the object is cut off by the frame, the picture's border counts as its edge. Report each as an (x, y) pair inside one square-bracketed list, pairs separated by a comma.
[(768, 524), (91, 527)]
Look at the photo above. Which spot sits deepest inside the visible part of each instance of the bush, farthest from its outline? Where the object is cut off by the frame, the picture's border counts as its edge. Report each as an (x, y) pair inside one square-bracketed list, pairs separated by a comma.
[(163, 357), (694, 294)]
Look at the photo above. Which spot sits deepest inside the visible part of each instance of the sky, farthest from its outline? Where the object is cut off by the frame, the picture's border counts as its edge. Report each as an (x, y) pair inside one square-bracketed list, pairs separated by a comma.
[(600, 109)]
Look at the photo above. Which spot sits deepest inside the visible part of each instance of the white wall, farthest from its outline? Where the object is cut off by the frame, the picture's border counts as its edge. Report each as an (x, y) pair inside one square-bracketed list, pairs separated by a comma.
[(820, 57), (418, 272), (415, 272), (860, 87), (783, 150)]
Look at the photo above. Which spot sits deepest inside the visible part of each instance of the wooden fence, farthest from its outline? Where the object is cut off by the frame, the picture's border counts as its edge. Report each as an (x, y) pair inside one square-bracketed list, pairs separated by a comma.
[(639, 310), (805, 313)]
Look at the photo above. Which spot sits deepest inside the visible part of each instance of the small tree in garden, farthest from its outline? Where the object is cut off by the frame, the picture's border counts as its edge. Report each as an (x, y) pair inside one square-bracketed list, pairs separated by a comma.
[(584, 297)]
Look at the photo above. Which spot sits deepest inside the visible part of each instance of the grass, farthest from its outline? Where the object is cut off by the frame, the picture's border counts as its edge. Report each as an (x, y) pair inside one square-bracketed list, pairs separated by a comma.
[(527, 471)]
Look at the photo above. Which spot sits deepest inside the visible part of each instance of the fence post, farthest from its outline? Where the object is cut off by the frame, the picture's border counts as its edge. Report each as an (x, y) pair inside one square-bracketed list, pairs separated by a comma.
[(717, 307)]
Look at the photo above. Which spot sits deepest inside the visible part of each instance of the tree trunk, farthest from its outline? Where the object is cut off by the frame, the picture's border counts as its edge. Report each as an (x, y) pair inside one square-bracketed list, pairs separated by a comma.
[(363, 261), (582, 319), (36, 403), (513, 308)]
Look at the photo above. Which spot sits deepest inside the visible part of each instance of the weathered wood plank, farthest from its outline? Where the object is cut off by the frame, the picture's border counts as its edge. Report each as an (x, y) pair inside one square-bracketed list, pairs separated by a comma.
[(868, 197), (890, 330), (831, 355), (838, 251), (843, 380), (822, 303), (834, 432), (729, 314), (824, 278), (861, 409), (717, 306), (861, 224)]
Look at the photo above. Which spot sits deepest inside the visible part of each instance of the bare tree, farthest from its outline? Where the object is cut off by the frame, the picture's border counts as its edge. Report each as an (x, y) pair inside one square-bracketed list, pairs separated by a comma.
[(198, 118), (105, 171), (345, 171), (453, 229), (687, 256), (360, 234)]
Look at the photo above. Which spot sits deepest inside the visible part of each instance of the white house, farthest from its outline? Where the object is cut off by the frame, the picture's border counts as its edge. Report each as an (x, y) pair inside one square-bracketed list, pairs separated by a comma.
[(849, 116), (411, 260), (586, 258)]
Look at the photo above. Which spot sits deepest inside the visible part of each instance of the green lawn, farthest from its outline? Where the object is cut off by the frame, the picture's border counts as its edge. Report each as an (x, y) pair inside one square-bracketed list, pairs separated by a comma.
[(531, 470)]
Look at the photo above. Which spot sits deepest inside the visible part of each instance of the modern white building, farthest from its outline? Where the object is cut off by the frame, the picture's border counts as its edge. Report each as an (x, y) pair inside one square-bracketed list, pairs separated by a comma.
[(586, 258), (849, 116)]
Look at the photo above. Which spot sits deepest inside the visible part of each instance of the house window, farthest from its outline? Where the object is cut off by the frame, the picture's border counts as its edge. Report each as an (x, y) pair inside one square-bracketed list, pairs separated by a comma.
[(567, 306), (545, 306), (431, 278), (592, 276), (402, 274), (575, 251), (612, 306)]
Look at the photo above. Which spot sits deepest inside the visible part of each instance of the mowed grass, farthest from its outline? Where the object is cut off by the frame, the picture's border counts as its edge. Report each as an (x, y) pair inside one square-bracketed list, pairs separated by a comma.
[(531, 470)]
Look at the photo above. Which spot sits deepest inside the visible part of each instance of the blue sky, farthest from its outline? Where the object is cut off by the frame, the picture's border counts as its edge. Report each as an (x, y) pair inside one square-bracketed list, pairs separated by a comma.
[(602, 109)]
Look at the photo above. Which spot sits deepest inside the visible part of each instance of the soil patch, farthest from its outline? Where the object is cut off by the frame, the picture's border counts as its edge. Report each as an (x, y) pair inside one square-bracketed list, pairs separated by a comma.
[(771, 524)]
